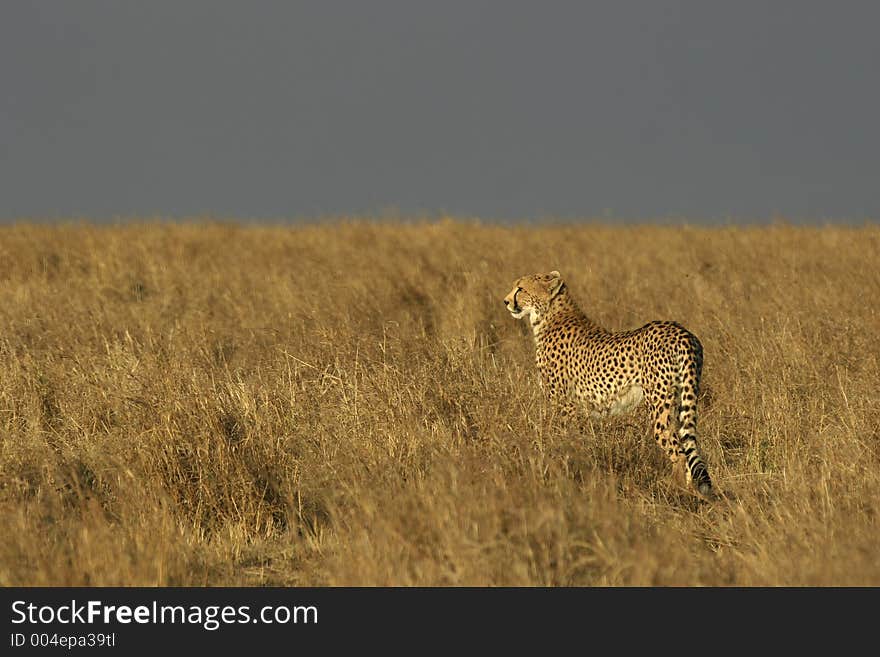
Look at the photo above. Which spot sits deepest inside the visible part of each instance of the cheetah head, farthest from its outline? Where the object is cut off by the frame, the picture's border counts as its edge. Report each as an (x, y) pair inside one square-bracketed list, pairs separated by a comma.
[(531, 295)]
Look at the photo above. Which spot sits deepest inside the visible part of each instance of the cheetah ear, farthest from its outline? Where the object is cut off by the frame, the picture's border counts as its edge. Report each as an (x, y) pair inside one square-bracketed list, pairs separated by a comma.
[(556, 283)]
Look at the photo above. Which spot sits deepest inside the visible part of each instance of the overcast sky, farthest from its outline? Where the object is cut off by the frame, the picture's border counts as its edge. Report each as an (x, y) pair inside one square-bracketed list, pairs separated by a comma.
[(516, 110)]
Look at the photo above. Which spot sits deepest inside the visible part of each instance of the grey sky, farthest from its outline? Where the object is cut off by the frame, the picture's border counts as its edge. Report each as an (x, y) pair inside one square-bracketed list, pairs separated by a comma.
[(635, 109)]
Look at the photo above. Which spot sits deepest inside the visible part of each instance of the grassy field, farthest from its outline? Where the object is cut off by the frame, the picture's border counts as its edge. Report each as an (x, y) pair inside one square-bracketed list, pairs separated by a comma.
[(351, 404)]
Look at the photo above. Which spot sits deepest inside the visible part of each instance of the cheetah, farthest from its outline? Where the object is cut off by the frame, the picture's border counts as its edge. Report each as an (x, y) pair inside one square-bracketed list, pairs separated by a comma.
[(583, 365)]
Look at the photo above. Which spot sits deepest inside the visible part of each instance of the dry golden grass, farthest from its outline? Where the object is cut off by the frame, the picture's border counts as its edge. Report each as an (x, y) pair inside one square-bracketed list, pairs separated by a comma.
[(350, 404)]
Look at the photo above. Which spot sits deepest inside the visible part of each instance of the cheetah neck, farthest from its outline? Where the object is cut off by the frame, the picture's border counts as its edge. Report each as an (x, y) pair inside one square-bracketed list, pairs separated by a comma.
[(563, 310)]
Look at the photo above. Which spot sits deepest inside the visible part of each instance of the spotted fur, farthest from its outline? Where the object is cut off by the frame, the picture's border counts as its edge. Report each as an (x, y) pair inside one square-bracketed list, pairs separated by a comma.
[(583, 365)]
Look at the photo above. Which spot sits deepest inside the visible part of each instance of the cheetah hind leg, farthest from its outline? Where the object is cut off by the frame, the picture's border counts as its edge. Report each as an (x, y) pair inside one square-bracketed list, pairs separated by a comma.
[(667, 441), (680, 471)]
